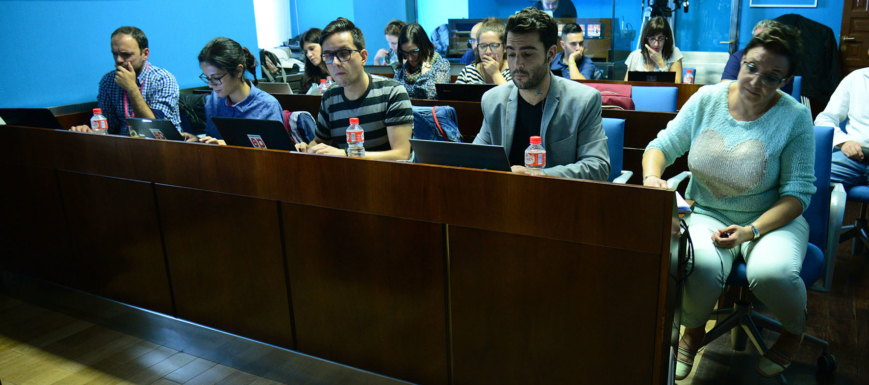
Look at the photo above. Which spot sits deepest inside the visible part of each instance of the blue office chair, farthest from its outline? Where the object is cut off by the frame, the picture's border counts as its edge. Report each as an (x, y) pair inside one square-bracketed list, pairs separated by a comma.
[(655, 99), (615, 140), (824, 216), (798, 88)]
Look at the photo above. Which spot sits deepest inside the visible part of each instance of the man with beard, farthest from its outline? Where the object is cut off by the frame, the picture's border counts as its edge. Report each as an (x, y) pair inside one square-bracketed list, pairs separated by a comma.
[(135, 88), (564, 113)]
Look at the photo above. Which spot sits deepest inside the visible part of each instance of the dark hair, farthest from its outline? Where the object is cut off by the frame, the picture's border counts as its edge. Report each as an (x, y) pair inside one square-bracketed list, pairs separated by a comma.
[(414, 33), (781, 40), (489, 24), (653, 27), (227, 54), (534, 20), (343, 25), (570, 28), (313, 74), (136, 33), (394, 27)]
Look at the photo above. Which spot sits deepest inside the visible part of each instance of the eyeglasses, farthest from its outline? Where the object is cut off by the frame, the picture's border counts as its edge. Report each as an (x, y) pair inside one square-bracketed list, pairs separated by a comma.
[(660, 39), (413, 53), (767, 80), (216, 80), (485, 47), (342, 55)]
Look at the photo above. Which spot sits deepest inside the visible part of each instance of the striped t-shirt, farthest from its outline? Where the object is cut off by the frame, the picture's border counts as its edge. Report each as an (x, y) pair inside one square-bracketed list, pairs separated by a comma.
[(384, 103), (470, 75)]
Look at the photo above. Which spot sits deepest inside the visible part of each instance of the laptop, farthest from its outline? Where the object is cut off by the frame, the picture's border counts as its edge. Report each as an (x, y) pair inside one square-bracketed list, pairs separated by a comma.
[(276, 88), (254, 133), (154, 129), (462, 92), (30, 117), (479, 156), (661, 77)]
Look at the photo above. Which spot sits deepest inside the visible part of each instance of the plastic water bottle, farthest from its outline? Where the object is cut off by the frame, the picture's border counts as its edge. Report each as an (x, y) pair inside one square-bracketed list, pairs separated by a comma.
[(535, 157), (355, 139), (329, 81), (99, 123), (323, 86)]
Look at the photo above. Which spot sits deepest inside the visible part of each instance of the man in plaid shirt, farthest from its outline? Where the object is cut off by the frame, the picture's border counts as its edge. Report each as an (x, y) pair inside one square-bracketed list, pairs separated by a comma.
[(135, 88)]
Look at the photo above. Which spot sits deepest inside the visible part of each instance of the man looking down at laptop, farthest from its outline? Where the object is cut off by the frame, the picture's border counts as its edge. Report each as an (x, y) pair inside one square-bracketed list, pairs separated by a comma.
[(564, 113), (381, 104), (135, 88)]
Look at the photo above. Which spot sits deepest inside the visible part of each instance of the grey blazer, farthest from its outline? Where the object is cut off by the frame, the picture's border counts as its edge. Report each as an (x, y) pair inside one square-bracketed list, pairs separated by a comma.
[(571, 128)]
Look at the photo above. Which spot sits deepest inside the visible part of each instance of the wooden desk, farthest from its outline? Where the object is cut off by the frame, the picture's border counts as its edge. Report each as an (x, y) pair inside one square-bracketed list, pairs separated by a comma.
[(429, 274)]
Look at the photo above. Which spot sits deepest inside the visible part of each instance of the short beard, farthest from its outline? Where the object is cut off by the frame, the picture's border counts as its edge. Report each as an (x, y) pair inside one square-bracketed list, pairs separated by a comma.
[(534, 77)]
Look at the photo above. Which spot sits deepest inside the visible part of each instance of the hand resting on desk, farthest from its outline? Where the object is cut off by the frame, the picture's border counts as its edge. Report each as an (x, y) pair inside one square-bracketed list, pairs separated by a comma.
[(81, 129)]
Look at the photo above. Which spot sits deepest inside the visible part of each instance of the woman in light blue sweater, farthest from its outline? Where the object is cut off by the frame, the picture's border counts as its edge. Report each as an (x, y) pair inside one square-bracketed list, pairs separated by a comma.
[(751, 153)]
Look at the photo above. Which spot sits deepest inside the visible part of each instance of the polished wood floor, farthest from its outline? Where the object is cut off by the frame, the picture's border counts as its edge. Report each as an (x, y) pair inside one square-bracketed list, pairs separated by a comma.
[(841, 317), (38, 346)]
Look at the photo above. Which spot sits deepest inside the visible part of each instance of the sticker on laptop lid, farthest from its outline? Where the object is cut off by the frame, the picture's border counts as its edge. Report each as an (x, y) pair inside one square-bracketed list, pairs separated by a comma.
[(256, 141), (157, 133)]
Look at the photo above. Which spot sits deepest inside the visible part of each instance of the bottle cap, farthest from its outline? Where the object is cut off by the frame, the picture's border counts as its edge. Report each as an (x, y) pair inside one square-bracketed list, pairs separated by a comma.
[(98, 111), (535, 140), (354, 120), (322, 81)]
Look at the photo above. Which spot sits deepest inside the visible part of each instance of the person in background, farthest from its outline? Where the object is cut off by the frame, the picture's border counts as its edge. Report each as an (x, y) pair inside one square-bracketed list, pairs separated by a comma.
[(559, 8), (423, 67), (223, 62), (850, 166), (491, 66), (135, 88), (731, 69), (658, 52), (390, 57), (381, 104), (751, 151), (315, 69), (572, 62), (470, 55), (564, 113)]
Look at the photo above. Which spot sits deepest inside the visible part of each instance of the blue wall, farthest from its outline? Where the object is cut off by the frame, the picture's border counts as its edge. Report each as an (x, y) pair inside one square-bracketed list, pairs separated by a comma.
[(55, 52), (828, 12), (371, 16)]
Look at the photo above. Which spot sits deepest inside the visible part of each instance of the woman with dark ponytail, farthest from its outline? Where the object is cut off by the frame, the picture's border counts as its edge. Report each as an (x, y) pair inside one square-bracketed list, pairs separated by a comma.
[(315, 68), (224, 62)]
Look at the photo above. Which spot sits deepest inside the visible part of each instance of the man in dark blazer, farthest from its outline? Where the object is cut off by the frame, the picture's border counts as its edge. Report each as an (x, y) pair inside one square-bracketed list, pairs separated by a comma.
[(564, 113)]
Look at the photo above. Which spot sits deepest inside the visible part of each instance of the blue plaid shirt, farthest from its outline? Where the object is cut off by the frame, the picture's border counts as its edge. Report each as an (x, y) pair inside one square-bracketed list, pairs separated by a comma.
[(257, 105), (160, 92)]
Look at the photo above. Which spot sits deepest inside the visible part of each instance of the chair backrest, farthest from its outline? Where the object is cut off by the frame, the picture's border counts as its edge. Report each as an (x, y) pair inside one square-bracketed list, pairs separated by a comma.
[(615, 141), (656, 99), (818, 212), (798, 87)]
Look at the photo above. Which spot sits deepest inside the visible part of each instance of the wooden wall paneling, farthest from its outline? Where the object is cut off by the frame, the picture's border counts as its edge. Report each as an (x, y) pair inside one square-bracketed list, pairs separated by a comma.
[(300, 102), (369, 291), (530, 310), (33, 232), (227, 266), (116, 239)]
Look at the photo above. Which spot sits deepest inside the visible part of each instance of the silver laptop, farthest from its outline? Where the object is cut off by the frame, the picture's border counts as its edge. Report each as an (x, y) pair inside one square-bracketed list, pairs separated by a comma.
[(275, 88)]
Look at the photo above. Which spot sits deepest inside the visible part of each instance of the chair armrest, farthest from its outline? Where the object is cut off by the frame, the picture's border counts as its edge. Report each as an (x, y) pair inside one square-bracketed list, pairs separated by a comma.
[(673, 182), (622, 179), (838, 198)]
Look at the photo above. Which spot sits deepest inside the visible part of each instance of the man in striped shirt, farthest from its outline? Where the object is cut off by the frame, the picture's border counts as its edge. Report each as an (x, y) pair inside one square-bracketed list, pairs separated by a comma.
[(381, 104), (135, 88)]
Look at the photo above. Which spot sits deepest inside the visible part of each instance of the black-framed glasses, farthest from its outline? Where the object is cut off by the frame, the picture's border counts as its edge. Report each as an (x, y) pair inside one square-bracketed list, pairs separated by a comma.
[(659, 39), (216, 80), (485, 47), (767, 80), (343, 55), (413, 53)]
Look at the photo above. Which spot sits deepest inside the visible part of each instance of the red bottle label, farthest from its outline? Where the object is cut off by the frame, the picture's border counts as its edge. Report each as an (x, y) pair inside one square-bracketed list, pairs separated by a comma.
[(535, 159), (355, 136)]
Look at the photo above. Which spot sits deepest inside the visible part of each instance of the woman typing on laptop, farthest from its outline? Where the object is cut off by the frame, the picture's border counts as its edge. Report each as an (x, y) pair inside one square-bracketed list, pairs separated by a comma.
[(657, 53), (223, 63)]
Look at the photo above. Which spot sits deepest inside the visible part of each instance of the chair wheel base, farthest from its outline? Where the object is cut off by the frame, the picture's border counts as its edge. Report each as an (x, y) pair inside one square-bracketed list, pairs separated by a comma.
[(827, 363)]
